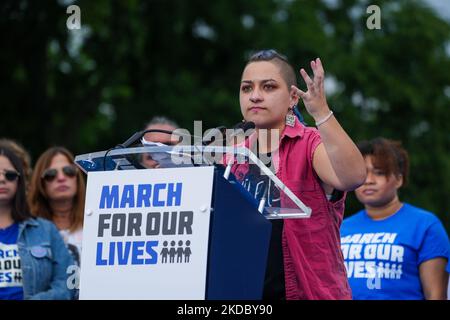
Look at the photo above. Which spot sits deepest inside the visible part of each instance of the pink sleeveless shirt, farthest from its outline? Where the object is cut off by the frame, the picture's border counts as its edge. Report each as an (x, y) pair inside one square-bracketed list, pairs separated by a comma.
[(313, 262)]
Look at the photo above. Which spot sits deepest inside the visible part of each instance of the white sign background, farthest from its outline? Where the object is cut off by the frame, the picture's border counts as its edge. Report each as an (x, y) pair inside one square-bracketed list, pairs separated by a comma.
[(186, 280)]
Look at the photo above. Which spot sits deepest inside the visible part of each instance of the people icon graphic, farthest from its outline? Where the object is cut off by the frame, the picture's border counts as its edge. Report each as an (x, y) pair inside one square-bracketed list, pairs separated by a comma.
[(179, 252), (187, 251), (164, 252), (172, 252)]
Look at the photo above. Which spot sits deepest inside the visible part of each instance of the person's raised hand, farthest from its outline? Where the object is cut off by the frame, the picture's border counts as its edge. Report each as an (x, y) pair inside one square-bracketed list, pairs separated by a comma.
[(314, 98)]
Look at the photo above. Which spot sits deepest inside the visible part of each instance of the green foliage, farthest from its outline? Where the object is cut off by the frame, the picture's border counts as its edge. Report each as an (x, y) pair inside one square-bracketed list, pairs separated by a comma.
[(89, 89)]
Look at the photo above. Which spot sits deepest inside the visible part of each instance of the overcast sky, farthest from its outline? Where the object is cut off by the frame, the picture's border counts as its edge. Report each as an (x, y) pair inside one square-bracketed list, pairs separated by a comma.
[(441, 6)]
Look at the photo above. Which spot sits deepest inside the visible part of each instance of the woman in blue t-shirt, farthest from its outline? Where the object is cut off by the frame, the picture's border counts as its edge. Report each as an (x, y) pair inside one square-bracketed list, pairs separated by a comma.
[(392, 250), (33, 257)]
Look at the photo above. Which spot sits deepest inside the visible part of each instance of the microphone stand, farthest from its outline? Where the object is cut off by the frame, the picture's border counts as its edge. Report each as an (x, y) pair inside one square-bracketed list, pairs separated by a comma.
[(131, 140)]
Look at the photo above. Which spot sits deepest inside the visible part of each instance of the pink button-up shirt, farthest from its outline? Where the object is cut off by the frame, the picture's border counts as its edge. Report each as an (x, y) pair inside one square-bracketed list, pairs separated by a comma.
[(313, 262)]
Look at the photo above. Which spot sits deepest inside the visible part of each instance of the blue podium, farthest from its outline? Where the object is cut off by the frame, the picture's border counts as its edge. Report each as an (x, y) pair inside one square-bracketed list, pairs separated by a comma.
[(237, 230)]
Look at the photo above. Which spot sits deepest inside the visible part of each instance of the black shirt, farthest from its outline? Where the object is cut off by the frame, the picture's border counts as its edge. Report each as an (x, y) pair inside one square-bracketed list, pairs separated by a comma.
[(258, 184)]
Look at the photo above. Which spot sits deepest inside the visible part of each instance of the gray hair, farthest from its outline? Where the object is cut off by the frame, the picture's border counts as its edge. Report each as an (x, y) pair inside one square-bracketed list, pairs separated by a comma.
[(161, 120)]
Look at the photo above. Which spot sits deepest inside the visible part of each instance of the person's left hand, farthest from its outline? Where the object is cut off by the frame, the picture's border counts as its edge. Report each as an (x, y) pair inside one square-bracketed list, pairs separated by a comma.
[(314, 99)]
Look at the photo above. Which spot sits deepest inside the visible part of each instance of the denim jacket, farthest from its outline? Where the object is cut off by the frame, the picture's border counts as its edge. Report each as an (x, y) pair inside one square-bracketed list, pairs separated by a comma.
[(44, 261)]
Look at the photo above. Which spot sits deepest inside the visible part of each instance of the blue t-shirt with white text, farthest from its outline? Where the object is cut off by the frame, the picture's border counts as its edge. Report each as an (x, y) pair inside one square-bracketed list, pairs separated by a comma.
[(11, 287), (382, 257)]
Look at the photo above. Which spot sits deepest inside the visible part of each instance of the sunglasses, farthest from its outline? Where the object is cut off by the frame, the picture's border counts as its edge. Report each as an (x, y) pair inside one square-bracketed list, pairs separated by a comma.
[(10, 175), (50, 174), (267, 55)]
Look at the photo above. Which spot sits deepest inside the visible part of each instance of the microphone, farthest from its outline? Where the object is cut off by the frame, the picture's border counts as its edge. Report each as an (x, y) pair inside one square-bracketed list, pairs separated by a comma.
[(138, 135), (244, 126), (241, 128), (210, 137), (247, 125), (131, 140)]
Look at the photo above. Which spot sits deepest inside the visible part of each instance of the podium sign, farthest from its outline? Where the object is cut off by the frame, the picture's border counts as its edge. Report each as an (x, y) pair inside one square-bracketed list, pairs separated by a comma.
[(146, 234)]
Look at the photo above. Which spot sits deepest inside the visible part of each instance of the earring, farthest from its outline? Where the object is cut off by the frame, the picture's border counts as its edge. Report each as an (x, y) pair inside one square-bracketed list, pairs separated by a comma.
[(290, 118)]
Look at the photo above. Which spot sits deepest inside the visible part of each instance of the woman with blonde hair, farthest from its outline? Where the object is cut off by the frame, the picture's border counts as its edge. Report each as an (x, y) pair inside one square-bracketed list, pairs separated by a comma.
[(57, 193)]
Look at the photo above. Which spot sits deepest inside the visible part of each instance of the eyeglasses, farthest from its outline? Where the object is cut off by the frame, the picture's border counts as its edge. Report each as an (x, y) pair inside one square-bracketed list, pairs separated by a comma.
[(10, 175), (50, 174), (265, 55)]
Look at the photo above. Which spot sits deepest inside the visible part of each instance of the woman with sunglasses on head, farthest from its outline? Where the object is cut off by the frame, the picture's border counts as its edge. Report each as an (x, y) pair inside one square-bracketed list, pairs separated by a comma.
[(57, 193), (317, 165), (33, 259)]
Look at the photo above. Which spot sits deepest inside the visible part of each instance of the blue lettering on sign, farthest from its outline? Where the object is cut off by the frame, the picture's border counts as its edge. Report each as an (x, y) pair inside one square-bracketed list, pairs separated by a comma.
[(109, 197), (127, 196), (174, 194), (122, 254), (141, 195), (100, 261), (127, 253), (138, 250), (112, 253), (158, 187), (151, 252)]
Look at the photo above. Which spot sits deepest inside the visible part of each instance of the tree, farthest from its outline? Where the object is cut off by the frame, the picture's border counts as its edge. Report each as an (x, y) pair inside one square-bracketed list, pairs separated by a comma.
[(90, 89)]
